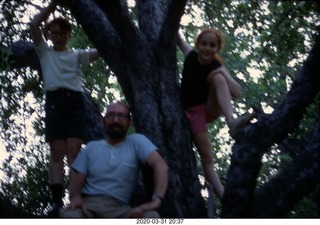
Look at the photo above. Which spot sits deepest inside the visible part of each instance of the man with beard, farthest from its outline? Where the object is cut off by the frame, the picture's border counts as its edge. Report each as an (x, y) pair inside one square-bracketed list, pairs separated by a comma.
[(107, 170)]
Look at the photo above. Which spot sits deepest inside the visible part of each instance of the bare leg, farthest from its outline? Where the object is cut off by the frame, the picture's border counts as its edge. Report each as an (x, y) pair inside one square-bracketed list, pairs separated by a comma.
[(234, 86), (73, 148), (204, 148), (220, 97), (58, 151), (220, 100)]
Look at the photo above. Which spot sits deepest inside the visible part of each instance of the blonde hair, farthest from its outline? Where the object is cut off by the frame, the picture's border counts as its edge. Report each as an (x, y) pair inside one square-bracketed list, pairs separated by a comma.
[(220, 40)]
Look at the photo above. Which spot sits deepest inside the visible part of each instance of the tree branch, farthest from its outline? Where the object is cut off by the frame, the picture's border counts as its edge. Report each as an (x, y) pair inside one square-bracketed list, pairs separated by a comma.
[(150, 18), (118, 14), (295, 181), (98, 29), (171, 23), (254, 140)]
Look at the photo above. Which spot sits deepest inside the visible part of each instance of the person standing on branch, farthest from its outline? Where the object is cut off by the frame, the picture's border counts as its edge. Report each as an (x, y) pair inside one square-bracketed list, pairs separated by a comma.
[(206, 91), (63, 87)]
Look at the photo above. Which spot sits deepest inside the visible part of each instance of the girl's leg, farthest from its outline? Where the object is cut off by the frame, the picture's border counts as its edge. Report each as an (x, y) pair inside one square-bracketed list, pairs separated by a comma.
[(219, 97), (203, 145), (234, 86)]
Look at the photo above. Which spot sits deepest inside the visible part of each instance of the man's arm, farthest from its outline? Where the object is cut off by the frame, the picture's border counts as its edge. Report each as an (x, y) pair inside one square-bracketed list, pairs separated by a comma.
[(160, 174), (37, 19), (76, 184)]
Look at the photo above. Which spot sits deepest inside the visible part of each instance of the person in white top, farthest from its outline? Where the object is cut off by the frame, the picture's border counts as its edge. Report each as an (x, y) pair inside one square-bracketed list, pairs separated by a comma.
[(62, 84)]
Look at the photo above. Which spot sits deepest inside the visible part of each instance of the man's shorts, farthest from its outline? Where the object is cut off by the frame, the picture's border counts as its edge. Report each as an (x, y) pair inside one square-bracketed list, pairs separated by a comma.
[(198, 118), (65, 115)]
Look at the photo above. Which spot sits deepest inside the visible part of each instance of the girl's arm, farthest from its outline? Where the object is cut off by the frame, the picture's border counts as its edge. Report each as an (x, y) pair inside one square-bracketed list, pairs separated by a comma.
[(183, 45)]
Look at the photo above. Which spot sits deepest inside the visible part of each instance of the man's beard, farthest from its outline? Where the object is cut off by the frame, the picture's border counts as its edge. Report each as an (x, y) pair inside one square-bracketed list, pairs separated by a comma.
[(115, 133)]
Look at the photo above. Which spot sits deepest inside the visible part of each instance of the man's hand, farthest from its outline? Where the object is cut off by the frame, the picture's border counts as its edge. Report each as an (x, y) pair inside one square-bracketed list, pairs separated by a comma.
[(138, 211), (75, 203)]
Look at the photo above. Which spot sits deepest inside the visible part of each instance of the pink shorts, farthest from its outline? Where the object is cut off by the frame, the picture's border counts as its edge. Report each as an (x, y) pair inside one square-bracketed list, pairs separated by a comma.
[(198, 118)]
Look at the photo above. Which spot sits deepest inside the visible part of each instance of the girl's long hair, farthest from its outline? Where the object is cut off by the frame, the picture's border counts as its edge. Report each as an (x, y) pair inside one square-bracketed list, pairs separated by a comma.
[(220, 41)]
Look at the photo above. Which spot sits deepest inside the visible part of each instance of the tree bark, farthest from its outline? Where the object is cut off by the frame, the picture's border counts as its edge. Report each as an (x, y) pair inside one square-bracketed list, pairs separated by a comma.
[(147, 75)]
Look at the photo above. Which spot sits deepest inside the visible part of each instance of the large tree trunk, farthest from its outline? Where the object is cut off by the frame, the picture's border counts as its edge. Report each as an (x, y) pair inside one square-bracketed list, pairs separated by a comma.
[(148, 77)]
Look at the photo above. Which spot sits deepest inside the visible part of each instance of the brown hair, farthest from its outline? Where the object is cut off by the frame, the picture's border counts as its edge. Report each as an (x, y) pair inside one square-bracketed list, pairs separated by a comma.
[(220, 40), (62, 22)]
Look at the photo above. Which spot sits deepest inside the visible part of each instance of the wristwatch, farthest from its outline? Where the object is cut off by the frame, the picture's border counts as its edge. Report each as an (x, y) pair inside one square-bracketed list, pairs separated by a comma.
[(156, 196)]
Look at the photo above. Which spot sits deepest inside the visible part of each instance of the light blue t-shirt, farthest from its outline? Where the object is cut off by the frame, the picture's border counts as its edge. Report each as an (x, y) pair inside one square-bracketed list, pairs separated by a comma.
[(112, 170)]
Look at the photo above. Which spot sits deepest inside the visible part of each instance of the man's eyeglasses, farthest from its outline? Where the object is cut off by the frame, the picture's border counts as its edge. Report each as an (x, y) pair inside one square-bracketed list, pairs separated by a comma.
[(120, 116)]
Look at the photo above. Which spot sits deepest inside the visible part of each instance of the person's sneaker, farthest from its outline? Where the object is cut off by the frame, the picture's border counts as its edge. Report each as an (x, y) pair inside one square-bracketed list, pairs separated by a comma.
[(54, 211), (239, 122)]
